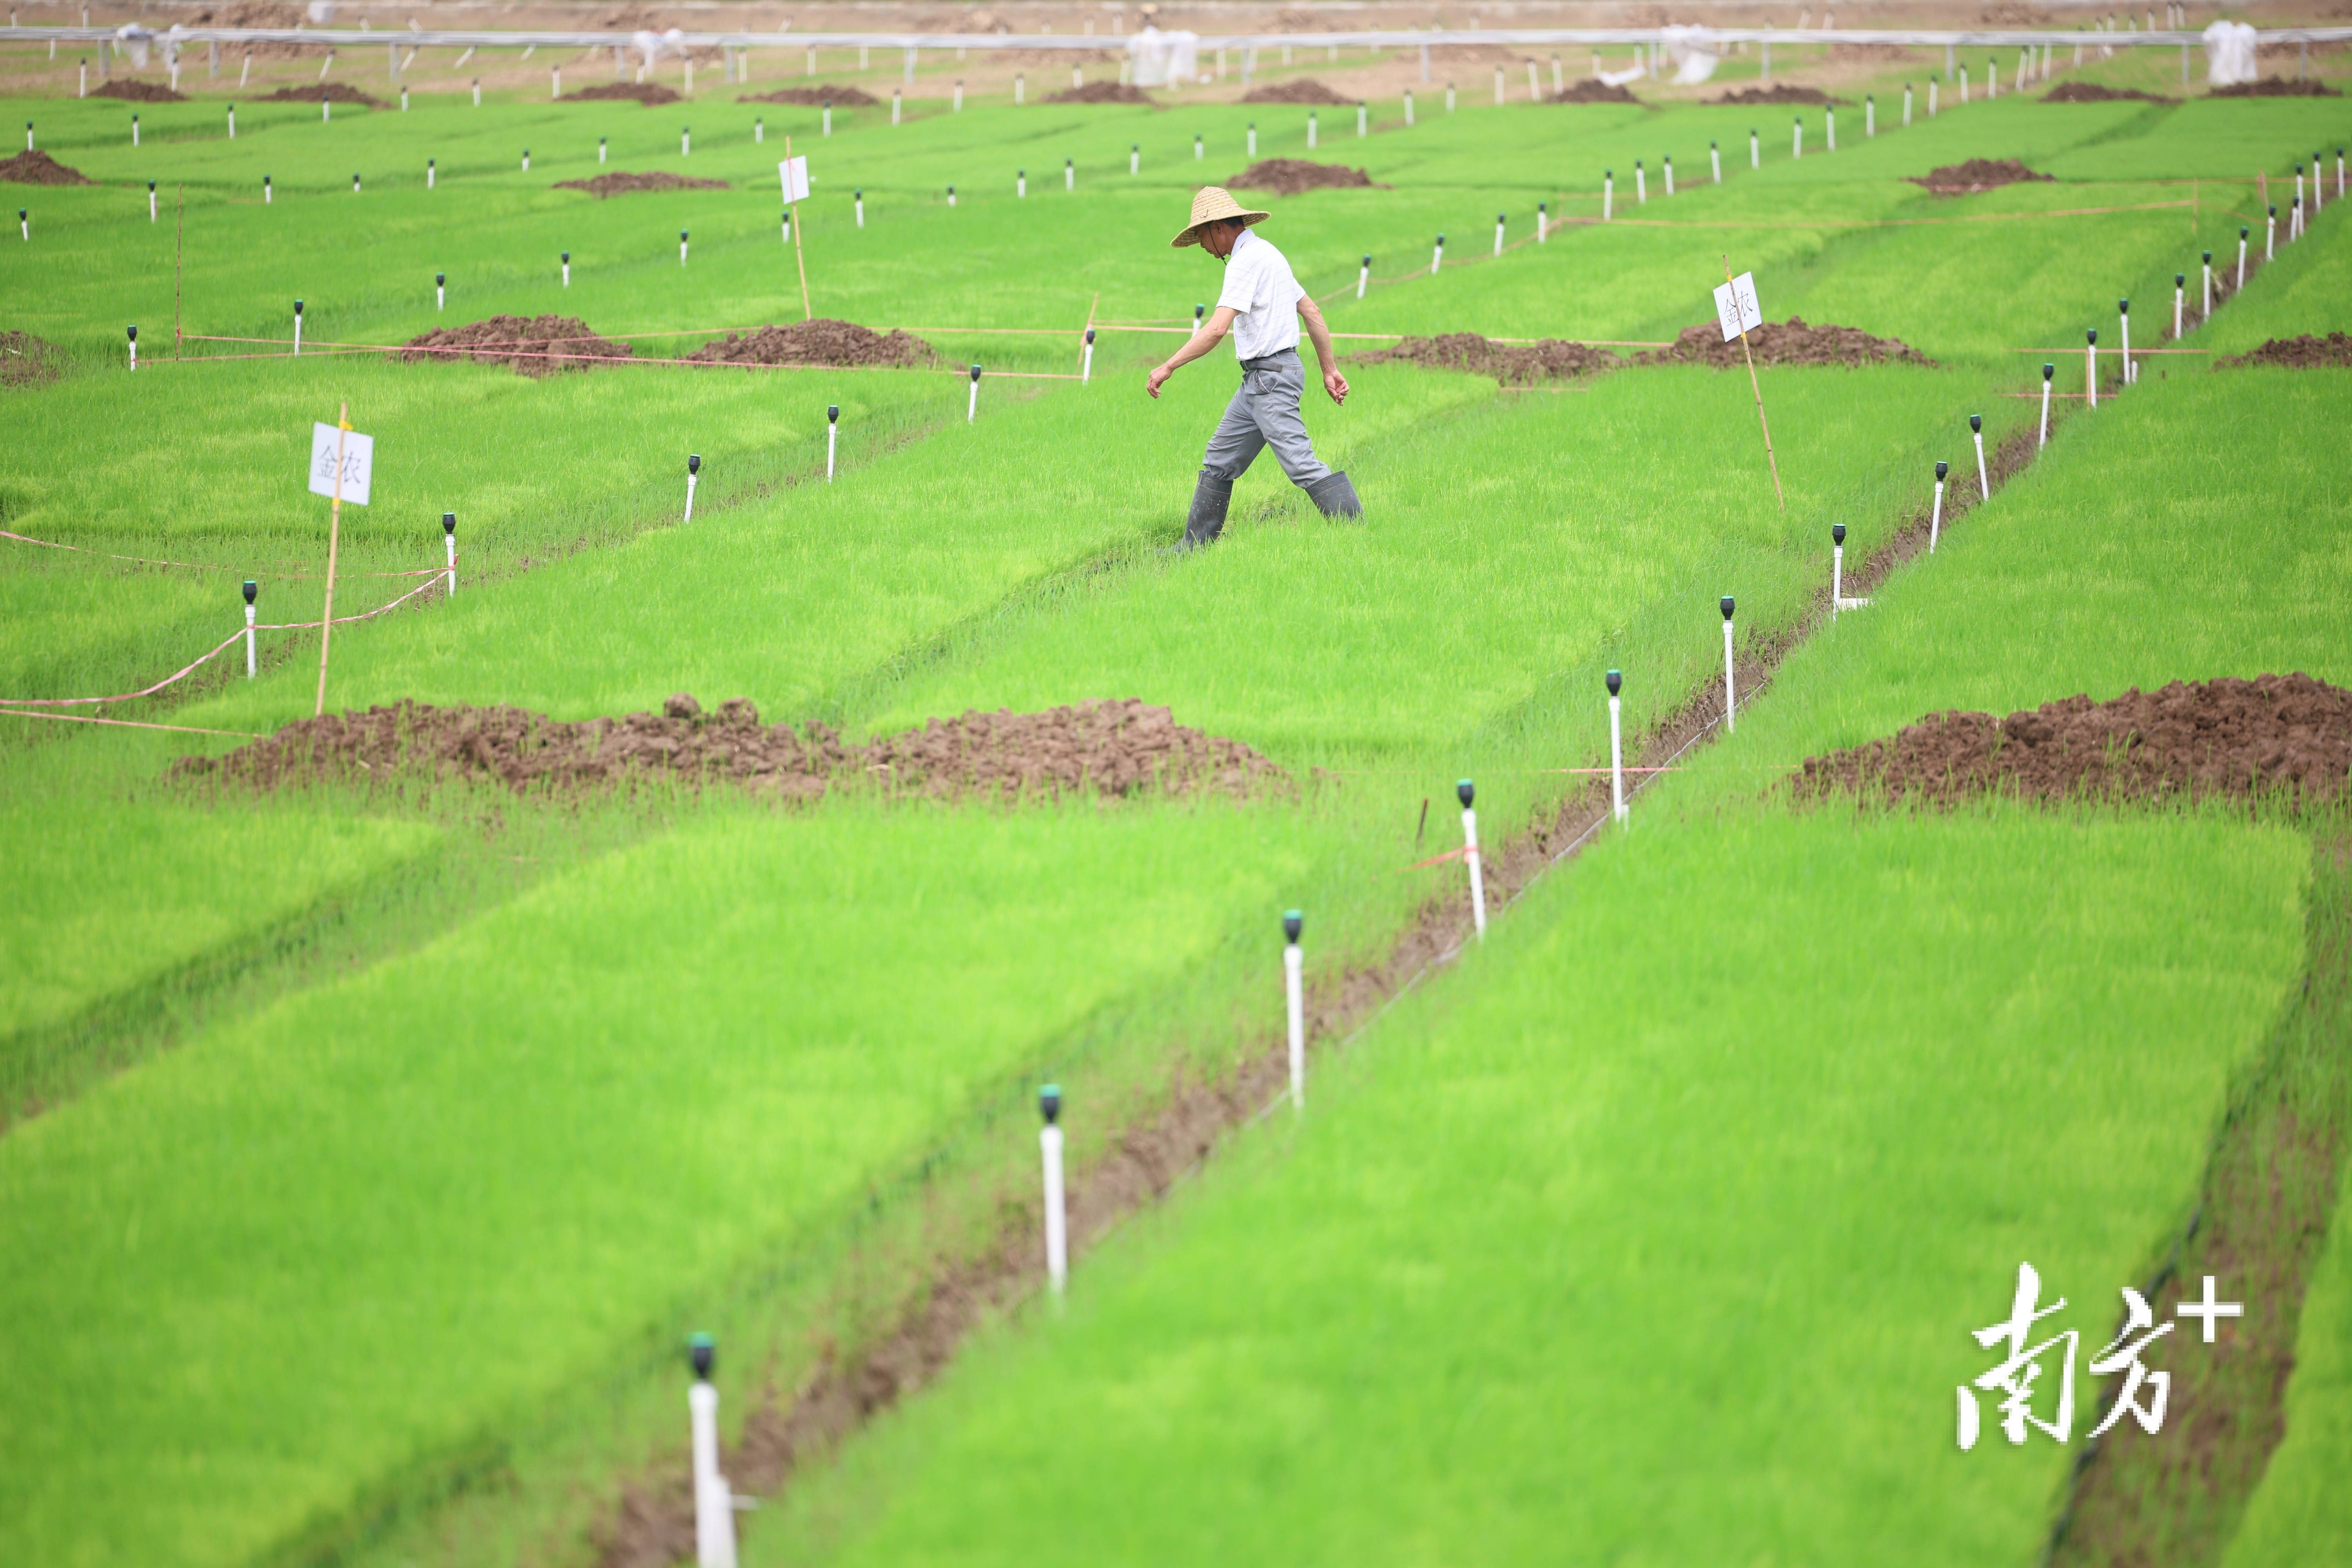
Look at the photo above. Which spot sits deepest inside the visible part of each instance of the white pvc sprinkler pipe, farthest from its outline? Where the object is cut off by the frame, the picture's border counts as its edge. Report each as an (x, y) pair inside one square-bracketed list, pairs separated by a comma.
[(1755, 150), (2048, 371), (297, 326), (1616, 749), (972, 407), (1935, 516), (1608, 193), (1543, 223), (567, 269), (831, 434), (449, 539), (250, 590), (681, 248), (2205, 298), (440, 290), (1976, 433), (2123, 315), (1670, 176), (1641, 184), (1499, 220), (2180, 296), (1087, 362), (2091, 366), (1465, 793), (693, 470), (132, 334), (1869, 117), (1049, 1146), (1731, 693), (1294, 986), (2241, 258), (1715, 161), (714, 1504), (1437, 255), (1837, 568)]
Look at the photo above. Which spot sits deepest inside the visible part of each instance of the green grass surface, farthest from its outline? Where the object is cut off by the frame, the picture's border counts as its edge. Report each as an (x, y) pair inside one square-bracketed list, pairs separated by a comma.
[(474, 1183)]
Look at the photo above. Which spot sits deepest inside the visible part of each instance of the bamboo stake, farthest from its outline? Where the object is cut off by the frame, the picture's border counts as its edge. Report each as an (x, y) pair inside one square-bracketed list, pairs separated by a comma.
[(806, 314), (334, 537), (1757, 387)]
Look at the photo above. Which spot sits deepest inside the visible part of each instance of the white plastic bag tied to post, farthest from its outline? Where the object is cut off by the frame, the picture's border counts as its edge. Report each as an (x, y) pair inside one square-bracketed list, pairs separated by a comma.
[(1694, 52), (1159, 58), (2229, 54), (652, 46), (794, 173), (1736, 309), (358, 463)]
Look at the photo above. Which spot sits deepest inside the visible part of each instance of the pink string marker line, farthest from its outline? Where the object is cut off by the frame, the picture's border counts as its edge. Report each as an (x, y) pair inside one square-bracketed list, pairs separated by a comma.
[(276, 574)]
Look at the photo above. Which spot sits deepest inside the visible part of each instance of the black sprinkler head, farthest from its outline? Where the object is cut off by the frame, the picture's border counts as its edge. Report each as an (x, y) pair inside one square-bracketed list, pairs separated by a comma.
[(1292, 922), (1090, 334), (2209, 259), (2091, 334), (1466, 792), (1368, 259), (567, 258), (1837, 533), (858, 195), (1976, 423), (1502, 217), (832, 413), (1616, 681), (1049, 1103), (2123, 307), (703, 1353), (440, 278), (449, 523), (1941, 469), (1726, 607), (694, 462), (2243, 231), (252, 589), (298, 306), (681, 236), (2179, 278), (2048, 371), (151, 184), (975, 376), (133, 332)]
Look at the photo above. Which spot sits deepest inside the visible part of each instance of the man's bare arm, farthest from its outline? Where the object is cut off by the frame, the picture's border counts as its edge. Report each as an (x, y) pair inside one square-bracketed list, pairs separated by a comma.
[(1213, 333), (1319, 335)]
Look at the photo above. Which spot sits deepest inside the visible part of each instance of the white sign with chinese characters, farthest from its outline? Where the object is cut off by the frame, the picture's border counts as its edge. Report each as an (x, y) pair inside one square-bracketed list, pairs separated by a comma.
[(1736, 307), (793, 173), (358, 460)]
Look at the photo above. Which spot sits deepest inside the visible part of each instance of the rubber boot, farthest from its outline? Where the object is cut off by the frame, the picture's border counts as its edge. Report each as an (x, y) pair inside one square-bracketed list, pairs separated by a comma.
[(1335, 496), (1207, 519)]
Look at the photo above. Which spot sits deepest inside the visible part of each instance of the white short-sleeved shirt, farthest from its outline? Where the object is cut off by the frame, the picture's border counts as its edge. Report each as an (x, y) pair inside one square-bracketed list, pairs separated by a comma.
[(1263, 297)]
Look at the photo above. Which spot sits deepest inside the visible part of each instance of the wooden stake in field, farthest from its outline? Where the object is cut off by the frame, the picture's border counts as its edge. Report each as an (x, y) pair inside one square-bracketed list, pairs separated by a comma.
[(793, 171), (341, 464), (1736, 309)]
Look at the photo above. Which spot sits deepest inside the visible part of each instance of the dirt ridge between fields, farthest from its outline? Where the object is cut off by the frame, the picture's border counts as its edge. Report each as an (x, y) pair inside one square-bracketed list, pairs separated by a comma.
[(652, 1526)]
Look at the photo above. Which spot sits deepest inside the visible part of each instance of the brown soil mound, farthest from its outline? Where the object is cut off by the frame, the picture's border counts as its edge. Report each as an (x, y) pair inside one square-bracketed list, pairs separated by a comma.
[(1513, 364), (820, 342), (2092, 92), (2305, 353), (645, 92), (534, 345), (1783, 342), (28, 360), (817, 97), (1779, 92), (1592, 90), (2276, 87), (1289, 176), (2276, 734), (1100, 92), (1116, 748), (618, 184), (1305, 89), (37, 168), (336, 91), (132, 90), (1976, 175)]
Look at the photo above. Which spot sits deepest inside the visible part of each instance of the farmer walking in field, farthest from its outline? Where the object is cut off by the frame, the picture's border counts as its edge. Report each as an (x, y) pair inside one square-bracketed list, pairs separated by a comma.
[(1262, 305)]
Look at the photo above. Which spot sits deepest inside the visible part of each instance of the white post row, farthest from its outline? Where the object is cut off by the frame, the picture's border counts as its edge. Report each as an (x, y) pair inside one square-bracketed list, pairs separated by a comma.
[(1466, 792), (1293, 992)]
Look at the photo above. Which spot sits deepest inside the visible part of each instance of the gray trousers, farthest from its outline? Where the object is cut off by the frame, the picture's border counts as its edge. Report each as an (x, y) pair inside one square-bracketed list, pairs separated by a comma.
[(1265, 412)]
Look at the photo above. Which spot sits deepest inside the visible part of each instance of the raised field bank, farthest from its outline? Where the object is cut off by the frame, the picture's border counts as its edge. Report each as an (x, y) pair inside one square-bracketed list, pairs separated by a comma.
[(654, 919)]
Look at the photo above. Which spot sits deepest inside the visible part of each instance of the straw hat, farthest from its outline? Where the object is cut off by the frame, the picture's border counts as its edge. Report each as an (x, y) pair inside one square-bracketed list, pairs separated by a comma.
[(1210, 204)]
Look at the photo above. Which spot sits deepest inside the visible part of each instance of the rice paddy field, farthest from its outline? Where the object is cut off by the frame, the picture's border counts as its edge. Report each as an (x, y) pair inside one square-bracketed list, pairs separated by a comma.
[(373, 1139)]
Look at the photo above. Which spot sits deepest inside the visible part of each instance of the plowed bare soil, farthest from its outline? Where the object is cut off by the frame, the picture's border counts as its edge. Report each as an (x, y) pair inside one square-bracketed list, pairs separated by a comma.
[(2304, 352), (821, 341), (1513, 364), (1976, 175), (1120, 748), (1779, 92), (1592, 90), (335, 92), (1304, 89), (817, 97), (257, 13), (1100, 92), (1784, 343), (619, 184), (37, 168), (645, 92), (534, 345), (2092, 92), (2284, 736), (2276, 87), (131, 89), (28, 360), (1289, 176)]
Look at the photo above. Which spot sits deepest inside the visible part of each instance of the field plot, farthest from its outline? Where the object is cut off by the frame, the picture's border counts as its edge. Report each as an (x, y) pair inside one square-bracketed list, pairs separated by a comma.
[(1652, 1229)]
